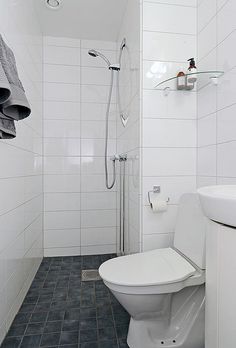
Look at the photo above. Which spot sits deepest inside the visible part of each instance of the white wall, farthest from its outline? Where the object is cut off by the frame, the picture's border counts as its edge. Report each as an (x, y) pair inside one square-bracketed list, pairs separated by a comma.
[(21, 234), (169, 122), (80, 214), (217, 105), (128, 138)]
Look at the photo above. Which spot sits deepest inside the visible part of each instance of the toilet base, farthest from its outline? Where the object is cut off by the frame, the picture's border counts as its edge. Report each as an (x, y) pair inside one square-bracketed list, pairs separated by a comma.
[(182, 328)]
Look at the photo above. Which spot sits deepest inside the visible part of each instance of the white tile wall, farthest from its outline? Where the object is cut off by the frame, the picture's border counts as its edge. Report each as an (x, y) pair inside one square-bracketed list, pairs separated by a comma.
[(216, 105), (21, 234), (169, 18), (80, 214), (169, 122)]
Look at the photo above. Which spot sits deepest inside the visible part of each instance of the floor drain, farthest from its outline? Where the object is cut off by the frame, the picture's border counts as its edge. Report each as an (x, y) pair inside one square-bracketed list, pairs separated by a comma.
[(89, 275)]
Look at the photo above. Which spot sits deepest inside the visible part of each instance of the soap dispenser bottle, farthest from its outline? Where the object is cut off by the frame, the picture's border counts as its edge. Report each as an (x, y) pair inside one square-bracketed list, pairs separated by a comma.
[(192, 70)]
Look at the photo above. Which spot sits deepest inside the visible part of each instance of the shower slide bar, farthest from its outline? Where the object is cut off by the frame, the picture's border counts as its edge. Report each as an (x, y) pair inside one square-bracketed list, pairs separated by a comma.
[(121, 246)]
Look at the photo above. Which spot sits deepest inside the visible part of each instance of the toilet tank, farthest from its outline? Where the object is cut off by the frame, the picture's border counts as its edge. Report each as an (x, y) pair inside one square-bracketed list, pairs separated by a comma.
[(190, 230)]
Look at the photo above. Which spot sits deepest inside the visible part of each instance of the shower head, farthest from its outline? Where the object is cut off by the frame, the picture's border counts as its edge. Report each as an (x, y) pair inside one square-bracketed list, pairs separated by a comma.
[(95, 53)]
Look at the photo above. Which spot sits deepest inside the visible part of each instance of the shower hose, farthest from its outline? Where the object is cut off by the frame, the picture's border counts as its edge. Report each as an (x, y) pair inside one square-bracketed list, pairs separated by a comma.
[(109, 185)]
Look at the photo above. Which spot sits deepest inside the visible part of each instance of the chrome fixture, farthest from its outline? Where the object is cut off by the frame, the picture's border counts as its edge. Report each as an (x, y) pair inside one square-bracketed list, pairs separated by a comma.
[(121, 242), (112, 68), (94, 53), (53, 4), (156, 189), (123, 117)]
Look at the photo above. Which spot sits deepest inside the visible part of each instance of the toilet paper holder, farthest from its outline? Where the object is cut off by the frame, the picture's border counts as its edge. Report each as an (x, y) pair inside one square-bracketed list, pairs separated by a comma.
[(156, 189)]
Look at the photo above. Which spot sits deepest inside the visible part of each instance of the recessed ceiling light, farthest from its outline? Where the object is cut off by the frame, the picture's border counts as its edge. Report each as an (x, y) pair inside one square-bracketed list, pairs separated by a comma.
[(53, 4)]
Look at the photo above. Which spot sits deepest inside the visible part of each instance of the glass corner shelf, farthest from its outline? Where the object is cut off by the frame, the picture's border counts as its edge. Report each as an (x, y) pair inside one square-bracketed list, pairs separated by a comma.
[(203, 78)]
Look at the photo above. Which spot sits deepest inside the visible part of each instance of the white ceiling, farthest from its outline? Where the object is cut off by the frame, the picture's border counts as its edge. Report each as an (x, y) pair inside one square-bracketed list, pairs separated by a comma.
[(85, 19)]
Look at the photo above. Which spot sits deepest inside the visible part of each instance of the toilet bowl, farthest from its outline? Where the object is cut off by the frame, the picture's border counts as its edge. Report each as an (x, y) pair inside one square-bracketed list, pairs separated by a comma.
[(163, 289)]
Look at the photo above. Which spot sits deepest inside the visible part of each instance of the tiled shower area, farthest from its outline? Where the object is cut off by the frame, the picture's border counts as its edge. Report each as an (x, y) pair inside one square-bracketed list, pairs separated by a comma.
[(80, 213)]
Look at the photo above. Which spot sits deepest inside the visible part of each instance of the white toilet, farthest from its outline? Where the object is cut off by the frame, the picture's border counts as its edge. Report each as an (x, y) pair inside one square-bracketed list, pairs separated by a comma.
[(163, 289)]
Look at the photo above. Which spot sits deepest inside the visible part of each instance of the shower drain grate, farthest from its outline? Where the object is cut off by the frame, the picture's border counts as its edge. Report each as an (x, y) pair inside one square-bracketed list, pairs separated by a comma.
[(89, 275)]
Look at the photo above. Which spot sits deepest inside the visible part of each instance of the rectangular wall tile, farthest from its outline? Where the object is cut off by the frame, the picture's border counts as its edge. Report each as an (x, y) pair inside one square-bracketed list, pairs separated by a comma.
[(180, 19)]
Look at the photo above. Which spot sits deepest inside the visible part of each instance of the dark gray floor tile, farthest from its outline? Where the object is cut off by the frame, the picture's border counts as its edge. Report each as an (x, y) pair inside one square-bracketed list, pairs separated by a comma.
[(62, 284), (87, 286), (31, 341), (108, 344), (34, 329), (42, 307), (118, 309), (56, 315), (90, 323), (22, 318), (87, 290), (121, 319), (36, 284), (45, 298), (44, 267), (70, 325), (87, 301), (88, 335), (53, 326), (50, 339), (40, 276), (39, 317), (72, 314), (103, 301), (87, 313), (74, 281), (52, 276), (58, 305), (113, 300), (102, 294), (11, 342), (123, 343), (73, 303), (122, 331), (60, 293), (105, 322), (107, 333), (104, 311), (89, 345), (27, 308), (46, 291), (50, 284), (17, 330), (69, 337), (31, 300)]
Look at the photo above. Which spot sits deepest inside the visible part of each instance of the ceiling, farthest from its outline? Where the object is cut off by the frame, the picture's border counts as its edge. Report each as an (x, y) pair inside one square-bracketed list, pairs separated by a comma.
[(84, 19)]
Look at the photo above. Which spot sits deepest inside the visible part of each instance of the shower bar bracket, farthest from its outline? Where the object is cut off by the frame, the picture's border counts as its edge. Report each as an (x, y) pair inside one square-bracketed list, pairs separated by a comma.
[(115, 67), (120, 158)]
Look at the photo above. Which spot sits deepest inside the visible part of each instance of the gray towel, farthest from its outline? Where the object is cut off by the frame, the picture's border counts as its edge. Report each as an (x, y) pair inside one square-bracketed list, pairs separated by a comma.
[(17, 106), (5, 90), (7, 128)]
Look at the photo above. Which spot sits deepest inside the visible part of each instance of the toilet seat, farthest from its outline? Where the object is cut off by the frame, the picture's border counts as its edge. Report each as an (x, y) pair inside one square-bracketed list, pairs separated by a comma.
[(156, 271)]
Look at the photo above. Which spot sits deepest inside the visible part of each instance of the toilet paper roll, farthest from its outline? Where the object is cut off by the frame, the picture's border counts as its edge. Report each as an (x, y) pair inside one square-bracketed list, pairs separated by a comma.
[(157, 205)]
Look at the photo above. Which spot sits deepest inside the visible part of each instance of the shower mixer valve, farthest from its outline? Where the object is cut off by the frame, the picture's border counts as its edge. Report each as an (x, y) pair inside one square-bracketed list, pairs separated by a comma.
[(119, 158)]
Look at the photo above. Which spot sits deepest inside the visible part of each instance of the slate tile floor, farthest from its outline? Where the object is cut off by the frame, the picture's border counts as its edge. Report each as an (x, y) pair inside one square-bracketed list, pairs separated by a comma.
[(61, 311)]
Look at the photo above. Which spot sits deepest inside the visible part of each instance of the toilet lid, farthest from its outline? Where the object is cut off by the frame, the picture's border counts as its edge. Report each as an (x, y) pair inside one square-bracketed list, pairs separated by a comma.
[(156, 267)]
